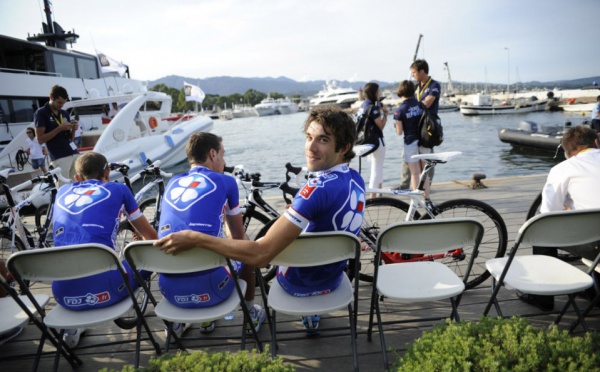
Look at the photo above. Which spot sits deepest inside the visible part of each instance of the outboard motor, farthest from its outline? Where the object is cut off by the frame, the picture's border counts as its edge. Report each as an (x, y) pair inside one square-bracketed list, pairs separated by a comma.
[(528, 126)]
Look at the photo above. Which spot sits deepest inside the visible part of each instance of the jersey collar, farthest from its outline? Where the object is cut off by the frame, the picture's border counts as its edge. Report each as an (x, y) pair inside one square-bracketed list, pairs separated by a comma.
[(344, 168)]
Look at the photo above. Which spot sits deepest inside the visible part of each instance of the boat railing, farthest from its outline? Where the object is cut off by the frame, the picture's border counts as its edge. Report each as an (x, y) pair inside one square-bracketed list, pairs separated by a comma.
[(29, 72)]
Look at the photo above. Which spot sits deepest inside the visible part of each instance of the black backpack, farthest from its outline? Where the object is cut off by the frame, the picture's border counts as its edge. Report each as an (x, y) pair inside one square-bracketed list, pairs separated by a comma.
[(367, 132), (431, 132)]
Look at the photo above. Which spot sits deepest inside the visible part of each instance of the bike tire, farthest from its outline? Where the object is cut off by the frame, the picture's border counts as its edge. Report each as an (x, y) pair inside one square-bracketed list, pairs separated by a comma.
[(41, 214), (492, 245), (148, 208), (6, 251), (379, 214), (124, 237), (270, 271), (258, 220)]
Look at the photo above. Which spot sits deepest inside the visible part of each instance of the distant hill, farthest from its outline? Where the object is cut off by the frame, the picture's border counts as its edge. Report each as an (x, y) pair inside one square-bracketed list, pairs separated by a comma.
[(226, 85)]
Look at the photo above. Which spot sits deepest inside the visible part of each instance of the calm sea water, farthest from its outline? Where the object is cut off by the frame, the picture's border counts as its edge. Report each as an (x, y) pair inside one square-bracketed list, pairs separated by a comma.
[(265, 144)]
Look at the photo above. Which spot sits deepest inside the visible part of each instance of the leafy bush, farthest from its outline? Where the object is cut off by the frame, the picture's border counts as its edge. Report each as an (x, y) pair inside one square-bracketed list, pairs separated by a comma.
[(242, 361), (500, 345)]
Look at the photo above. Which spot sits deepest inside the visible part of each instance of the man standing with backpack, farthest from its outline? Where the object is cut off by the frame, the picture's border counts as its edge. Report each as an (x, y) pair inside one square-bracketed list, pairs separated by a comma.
[(427, 92)]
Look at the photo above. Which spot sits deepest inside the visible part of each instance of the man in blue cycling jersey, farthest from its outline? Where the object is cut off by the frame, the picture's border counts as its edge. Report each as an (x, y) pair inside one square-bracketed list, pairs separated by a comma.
[(332, 200), (89, 211), (203, 199)]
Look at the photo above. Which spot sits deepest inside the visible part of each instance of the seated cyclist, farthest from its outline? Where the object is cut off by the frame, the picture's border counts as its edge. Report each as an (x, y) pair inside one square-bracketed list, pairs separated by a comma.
[(332, 200), (203, 199), (89, 211)]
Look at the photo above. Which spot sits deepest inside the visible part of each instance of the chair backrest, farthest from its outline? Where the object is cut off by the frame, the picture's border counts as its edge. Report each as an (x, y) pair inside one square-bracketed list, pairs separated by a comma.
[(143, 255), (313, 249), (561, 229), (431, 236), (61, 263)]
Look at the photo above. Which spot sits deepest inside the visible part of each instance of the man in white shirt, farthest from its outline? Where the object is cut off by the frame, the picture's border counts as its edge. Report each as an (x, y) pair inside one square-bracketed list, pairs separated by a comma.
[(572, 184), (113, 110)]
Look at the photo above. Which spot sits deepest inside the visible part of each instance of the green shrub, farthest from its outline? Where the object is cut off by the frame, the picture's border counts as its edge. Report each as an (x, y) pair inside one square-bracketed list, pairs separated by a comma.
[(500, 345), (242, 361)]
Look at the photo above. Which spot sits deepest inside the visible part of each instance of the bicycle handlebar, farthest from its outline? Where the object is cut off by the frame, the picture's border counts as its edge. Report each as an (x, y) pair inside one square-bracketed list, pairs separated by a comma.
[(41, 178), (152, 168)]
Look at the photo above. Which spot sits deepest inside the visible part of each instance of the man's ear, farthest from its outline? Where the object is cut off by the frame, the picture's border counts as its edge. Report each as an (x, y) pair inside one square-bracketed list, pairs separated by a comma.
[(78, 178), (597, 144)]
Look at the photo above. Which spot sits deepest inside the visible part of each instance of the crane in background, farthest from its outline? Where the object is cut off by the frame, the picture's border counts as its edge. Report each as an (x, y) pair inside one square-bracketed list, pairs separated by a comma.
[(449, 88)]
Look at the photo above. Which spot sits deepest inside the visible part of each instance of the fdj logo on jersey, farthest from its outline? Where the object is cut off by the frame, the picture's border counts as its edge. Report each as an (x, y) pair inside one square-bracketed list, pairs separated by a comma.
[(89, 299), (188, 190), (193, 298), (79, 198), (314, 183), (350, 216)]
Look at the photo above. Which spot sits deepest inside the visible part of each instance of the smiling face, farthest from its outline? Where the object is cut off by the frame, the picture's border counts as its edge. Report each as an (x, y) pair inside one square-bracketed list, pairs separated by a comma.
[(320, 149)]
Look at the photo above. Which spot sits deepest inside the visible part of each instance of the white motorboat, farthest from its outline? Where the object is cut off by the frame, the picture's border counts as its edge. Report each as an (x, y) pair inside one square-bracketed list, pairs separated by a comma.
[(226, 114), (271, 106), (243, 111), (142, 129), (483, 105), (331, 93)]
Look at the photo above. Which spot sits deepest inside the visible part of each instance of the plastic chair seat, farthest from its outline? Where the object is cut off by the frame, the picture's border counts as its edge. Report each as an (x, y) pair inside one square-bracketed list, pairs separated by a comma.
[(62, 318), (418, 282), (168, 311), (540, 275), (11, 314), (281, 301)]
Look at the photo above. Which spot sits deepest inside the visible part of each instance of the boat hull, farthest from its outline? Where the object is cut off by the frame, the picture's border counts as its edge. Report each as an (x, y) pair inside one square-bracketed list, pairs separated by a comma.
[(532, 140), (474, 110)]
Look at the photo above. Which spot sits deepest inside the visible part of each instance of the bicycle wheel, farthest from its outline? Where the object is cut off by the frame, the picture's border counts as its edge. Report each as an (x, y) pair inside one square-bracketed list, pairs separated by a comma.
[(6, 250), (268, 272), (492, 245), (258, 220), (124, 237), (379, 214), (148, 208), (41, 214)]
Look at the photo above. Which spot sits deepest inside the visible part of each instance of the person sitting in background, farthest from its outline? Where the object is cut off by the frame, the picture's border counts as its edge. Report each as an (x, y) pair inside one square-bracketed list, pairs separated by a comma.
[(571, 184), (89, 211), (113, 110), (36, 152)]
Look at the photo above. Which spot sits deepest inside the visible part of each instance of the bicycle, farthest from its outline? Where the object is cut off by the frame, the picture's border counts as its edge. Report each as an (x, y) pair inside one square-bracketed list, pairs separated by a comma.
[(381, 212), (13, 233), (256, 223), (151, 208)]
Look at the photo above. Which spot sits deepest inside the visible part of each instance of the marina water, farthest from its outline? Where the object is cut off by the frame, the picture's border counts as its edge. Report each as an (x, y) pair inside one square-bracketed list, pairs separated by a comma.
[(266, 144)]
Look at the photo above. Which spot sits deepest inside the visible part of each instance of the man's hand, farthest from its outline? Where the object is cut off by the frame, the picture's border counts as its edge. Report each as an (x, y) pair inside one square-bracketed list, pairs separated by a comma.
[(177, 242)]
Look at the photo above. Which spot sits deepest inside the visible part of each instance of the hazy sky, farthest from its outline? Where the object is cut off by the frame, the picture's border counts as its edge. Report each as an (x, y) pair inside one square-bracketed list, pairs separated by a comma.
[(330, 39)]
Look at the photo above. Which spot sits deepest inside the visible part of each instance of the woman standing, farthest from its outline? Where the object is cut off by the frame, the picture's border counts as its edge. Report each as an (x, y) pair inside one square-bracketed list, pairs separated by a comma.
[(407, 118), (379, 115)]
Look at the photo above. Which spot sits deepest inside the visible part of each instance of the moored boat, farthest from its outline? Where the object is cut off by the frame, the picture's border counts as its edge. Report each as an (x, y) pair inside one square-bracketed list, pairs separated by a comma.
[(332, 94), (483, 105), (532, 136)]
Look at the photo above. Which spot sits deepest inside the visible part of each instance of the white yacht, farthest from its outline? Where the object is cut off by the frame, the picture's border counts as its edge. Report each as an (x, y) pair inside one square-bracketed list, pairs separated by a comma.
[(244, 111), (331, 93), (271, 106)]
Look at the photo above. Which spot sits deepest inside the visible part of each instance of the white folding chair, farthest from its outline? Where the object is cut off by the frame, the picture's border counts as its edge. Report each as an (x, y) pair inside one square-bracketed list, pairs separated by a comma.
[(72, 262), (422, 281), (143, 255), (17, 311), (545, 275), (596, 299), (315, 249)]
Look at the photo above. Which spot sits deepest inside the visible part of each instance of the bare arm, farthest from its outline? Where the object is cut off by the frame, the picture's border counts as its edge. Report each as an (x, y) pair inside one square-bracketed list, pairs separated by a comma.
[(428, 101), (146, 230), (382, 120), (399, 127), (255, 253), (236, 226)]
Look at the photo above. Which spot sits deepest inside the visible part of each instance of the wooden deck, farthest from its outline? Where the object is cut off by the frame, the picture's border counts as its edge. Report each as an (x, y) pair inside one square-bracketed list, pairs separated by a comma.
[(331, 350)]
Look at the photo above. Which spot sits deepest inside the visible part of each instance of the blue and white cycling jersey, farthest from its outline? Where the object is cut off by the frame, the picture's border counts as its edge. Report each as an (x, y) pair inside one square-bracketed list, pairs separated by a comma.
[(332, 200), (90, 212), (198, 200)]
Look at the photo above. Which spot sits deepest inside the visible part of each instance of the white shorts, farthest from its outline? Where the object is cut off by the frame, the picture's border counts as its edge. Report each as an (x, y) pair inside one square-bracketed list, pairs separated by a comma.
[(414, 149)]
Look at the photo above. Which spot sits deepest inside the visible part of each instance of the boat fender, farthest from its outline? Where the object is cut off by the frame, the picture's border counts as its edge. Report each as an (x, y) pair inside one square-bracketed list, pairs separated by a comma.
[(152, 122)]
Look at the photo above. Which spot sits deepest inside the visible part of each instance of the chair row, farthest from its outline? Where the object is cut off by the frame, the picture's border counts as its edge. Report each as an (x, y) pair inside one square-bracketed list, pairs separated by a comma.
[(419, 281)]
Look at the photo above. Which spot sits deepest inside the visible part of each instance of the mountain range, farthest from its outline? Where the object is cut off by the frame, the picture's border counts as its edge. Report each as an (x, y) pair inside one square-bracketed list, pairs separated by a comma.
[(227, 85)]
